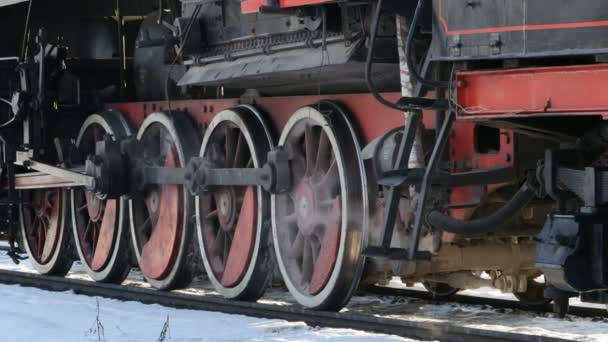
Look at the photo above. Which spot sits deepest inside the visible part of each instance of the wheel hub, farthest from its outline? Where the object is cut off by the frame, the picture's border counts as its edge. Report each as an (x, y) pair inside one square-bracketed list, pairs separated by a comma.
[(226, 206), (306, 208), (153, 201)]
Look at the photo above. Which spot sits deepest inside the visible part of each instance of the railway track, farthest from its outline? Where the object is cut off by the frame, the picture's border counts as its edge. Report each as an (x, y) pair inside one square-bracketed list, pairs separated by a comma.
[(495, 303), (578, 311), (352, 320)]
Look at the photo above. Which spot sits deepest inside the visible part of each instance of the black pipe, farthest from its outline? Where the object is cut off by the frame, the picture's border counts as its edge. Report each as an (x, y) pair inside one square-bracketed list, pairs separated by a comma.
[(121, 52), (405, 103), (26, 32), (487, 224), (409, 58)]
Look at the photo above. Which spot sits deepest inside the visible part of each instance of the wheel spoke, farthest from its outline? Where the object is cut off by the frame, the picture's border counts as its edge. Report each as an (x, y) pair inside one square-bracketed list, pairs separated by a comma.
[(218, 244), (297, 246), (298, 161), (211, 215), (216, 153), (87, 230), (240, 153), (94, 237), (40, 238), (310, 150), (145, 228), (161, 145), (324, 154), (96, 136), (315, 248), (227, 245), (48, 203), (167, 147), (330, 182), (46, 223), (83, 207), (329, 240), (307, 263), (230, 142), (288, 221)]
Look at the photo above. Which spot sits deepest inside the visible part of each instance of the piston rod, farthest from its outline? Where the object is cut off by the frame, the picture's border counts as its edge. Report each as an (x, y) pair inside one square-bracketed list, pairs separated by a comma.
[(63, 177), (199, 176)]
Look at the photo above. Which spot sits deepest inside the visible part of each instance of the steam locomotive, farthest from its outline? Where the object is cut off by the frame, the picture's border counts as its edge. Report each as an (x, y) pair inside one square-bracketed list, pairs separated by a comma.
[(329, 144)]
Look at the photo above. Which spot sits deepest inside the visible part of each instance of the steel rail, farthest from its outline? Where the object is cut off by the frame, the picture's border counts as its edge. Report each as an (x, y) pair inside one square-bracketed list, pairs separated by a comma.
[(578, 311), (410, 329)]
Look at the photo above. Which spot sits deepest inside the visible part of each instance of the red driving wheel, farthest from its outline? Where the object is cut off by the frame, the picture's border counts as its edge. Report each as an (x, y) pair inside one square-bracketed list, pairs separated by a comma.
[(100, 225), (233, 238), (319, 226), (43, 225), (161, 217)]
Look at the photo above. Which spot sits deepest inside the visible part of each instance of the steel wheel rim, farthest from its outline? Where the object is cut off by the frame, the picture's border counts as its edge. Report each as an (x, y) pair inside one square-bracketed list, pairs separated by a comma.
[(169, 202), (349, 193), (97, 223), (41, 222), (232, 284)]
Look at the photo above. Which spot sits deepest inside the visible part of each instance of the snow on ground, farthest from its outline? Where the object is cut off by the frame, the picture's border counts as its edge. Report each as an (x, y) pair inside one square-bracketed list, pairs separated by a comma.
[(29, 314), (25, 306), (35, 315), (490, 292)]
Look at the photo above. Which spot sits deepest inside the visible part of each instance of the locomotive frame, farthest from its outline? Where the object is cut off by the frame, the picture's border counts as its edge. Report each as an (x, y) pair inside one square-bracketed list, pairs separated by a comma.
[(497, 166)]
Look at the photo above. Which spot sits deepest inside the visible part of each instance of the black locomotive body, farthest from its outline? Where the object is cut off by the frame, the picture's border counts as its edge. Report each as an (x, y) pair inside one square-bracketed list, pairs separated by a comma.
[(494, 29)]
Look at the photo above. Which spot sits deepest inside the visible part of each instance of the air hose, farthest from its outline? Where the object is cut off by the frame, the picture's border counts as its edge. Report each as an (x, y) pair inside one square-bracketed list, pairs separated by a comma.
[(487, 224)]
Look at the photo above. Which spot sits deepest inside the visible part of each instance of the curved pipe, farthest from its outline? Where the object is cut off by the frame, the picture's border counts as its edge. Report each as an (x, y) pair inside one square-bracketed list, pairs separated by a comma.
[(487, 224), (409, 49), (405, 103)]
